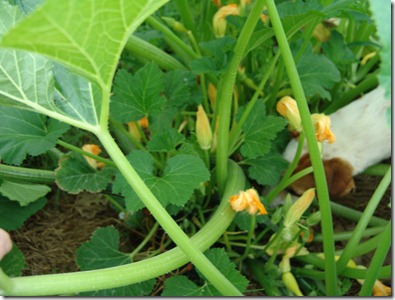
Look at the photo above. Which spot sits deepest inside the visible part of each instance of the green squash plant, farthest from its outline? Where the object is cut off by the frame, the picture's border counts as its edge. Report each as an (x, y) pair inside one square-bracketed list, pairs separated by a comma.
[(209, 96)]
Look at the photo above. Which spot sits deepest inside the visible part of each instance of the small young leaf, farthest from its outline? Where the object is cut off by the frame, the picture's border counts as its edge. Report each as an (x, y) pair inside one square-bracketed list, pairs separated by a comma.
[(181, 286), (12, 215), (164, 141), (267, 169), (181, 176), (177, 86), (14, 262), (259, 131), (338, 52), (136, 96), (24, 193), (75, 175), (25, 132), (221, 260), (101, 251)]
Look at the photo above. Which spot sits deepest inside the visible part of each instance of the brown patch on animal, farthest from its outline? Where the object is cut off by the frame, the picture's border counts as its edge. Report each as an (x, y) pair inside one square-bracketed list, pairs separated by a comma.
[(338, 174)]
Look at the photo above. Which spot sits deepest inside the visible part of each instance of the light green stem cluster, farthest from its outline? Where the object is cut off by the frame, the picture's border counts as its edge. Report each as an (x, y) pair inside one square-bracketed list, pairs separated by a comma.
[(319, 174)]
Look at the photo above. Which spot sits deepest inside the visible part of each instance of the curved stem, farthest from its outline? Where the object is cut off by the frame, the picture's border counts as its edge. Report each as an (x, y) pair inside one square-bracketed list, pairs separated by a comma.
[(165, 220), (76, 282), (226, 92), (319, 173)]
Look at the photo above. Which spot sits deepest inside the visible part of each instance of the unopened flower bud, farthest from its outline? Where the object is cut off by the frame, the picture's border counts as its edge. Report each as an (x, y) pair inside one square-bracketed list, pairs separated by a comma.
[(134, 130), (177, 26), (313, 219), (297, 209), (321, 33), (288, 108), (203, 129), (291, 283), (212, 94)]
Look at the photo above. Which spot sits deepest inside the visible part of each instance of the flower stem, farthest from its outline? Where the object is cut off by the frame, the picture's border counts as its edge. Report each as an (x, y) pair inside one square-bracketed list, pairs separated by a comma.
[(376, 263), (319, 173), (226, 90), (363, 222)]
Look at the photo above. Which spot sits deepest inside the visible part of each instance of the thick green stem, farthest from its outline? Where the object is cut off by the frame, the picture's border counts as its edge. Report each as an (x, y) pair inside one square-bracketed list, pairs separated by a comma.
[(165, 220), (226, 92), (142, 49), (319, 173), (363, 222), (76, 282), (20, 174), (174, 38)]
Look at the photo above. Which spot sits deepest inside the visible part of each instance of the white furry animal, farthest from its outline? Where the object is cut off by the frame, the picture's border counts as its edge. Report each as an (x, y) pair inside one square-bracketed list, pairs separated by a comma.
[(363, 138)]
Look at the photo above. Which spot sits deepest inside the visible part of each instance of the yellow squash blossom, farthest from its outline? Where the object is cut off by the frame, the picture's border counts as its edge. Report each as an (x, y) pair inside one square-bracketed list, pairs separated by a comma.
[(94, 149), (219, 20), (247, 200), (322, 124), (288, 108), (203, 129)]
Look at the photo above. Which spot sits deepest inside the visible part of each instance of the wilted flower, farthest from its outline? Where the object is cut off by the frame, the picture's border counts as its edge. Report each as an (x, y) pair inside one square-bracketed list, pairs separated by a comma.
[(322, 124), (297, 209), (217, 3), (203, 129), (380, 289), (95, 150), (288, 108), (219, 20), (321, 33), (5, 243), (247, 200)]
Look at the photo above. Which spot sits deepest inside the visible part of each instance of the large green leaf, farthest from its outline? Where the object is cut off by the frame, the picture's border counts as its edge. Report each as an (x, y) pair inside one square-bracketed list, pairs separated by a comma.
[(87, 36), (12, 215), (25, 132), (181, 176), (27, 81), (24, 193)]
